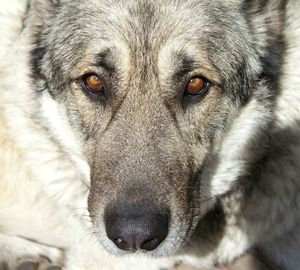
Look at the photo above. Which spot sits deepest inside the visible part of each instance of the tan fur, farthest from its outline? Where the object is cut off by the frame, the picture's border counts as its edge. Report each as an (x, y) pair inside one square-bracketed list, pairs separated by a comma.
[(45, 174)]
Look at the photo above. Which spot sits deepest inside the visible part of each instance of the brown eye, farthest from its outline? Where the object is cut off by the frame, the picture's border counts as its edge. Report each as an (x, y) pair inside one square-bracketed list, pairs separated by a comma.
[(93, 83), (196, 86)]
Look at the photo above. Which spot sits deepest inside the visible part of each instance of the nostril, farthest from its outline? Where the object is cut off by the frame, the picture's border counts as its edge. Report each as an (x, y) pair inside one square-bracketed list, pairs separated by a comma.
[(122, 244), (150, 244)]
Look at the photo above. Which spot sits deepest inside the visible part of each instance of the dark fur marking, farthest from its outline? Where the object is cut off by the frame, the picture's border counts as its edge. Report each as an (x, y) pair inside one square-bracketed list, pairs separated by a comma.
[(173, 115), (30, 265), (212, 224), (237, 86), (55, 3), (103, 60), (272, 61), (3, 266), (184, 66), (37, 56), (54, 268)]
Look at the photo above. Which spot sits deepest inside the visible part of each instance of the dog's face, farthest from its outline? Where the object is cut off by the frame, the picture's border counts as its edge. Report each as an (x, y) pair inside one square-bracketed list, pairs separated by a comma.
[(159, 92)]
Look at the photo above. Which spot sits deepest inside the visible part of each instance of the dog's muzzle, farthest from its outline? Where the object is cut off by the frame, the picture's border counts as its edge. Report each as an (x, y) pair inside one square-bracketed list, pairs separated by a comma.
[(136, 228)]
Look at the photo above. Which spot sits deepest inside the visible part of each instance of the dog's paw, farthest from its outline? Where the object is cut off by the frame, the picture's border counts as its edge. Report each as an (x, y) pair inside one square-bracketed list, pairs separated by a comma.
[(42, 264), (21, 254)]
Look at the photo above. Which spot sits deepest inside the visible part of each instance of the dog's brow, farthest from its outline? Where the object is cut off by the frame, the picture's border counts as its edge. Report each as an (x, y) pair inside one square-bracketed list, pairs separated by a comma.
[(184, 65), (104, 60)]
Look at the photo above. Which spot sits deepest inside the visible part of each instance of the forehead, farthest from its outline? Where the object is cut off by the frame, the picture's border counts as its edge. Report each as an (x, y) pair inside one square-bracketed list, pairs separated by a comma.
[(148, 30), (147, 21)]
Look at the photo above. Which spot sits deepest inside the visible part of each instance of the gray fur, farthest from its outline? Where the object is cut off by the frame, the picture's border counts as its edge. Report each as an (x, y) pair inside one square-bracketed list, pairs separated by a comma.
[(225, 164)]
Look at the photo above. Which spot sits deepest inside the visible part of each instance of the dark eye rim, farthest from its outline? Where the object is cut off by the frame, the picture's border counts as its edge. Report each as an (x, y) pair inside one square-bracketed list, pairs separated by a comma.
[(206, 87), (83, 83)]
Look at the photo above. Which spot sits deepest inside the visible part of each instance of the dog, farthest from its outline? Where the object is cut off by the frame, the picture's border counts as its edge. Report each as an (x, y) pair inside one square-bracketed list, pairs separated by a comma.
[(150, 129)]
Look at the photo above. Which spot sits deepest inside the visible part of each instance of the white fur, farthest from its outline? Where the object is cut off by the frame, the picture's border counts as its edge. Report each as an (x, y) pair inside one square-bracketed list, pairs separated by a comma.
[(232, 161), (36, 214), (54, 212)]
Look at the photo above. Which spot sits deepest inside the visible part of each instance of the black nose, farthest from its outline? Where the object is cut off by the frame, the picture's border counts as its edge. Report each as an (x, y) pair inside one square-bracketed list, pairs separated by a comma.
[(134, 229)]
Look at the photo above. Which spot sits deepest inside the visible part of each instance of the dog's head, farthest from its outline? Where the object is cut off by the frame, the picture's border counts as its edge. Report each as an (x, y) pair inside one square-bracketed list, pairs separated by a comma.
[(168, 99)]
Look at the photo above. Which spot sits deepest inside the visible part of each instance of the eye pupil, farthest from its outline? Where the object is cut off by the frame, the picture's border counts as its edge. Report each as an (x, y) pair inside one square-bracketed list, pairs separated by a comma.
[(196, 86), (94, 83)]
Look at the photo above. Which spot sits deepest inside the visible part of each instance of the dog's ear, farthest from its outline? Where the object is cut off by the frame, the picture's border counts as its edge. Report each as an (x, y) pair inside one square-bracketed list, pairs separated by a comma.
[(40, 10), (44, 5), (37, 18), (267, 18)]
